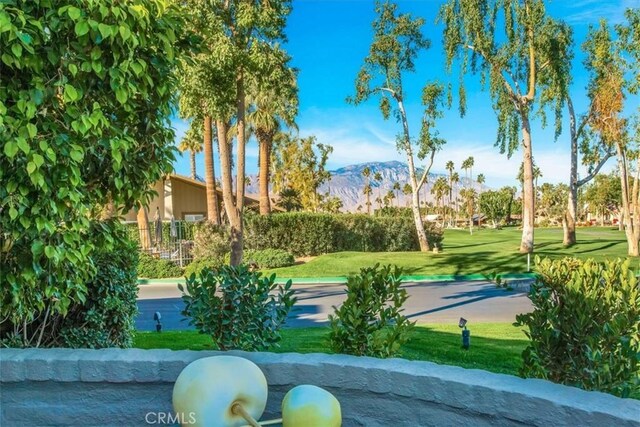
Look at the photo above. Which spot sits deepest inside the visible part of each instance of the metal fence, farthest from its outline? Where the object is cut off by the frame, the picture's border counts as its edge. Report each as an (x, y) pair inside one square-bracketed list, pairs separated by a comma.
[(172, 241)]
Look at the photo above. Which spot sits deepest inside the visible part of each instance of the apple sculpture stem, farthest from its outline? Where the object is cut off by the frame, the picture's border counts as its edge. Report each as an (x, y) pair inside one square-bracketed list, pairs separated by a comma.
[(238, 409), (267, 423)]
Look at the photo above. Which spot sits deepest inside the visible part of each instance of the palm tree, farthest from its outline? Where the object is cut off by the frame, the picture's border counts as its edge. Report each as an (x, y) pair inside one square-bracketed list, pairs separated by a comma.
[(450, 168), (378, 178), (396, 188), (439, 189), (389, 197), (366, 173), (379, 202), (192, 142), (467, 165), (289, 200), (455, 178), (367, 192), (406, 190), (271, 107), (480, 180), (469, 196)]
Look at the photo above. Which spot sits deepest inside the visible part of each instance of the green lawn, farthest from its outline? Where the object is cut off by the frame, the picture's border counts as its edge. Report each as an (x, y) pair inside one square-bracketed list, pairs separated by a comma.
[(487, 251), (495, 347)]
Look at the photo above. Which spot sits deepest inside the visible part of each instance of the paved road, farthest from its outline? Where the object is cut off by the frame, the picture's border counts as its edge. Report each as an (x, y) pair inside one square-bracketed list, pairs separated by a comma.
[(437, 302)]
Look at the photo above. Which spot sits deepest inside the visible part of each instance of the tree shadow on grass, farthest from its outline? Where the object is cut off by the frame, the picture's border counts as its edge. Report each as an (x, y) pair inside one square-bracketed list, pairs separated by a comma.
[(480, 262)]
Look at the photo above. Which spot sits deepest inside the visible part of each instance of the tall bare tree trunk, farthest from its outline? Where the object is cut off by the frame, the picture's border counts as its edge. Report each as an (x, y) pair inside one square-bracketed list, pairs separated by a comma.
[(264, 142), (569, 225), (192, 158), (230, 207), (415, 187), (143, 228), (528, 196), (630, 229), (213, 214)]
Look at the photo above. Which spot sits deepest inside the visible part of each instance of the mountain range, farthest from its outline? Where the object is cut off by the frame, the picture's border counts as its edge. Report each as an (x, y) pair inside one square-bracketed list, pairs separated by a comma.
[(348, 183)]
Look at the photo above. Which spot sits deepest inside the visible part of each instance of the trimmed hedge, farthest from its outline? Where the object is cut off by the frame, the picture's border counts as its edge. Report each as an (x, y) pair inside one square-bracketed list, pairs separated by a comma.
[(157, 268), (269, 258), (305, 233)]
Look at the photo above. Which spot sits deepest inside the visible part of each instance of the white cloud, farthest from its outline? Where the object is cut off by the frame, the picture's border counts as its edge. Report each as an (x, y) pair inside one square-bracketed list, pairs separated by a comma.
[(591, 11), (367, 142)]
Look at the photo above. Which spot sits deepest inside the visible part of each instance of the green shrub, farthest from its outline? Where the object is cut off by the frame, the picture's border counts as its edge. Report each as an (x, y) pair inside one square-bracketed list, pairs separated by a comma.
[(195, 267), (370, 321), (305, 233), (238, 308), (269, 258), (107, 317), (157, 268), (211, 242), (584, 328)]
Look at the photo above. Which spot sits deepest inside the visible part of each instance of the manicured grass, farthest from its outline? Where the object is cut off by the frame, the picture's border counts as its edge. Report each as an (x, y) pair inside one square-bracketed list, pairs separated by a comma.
[(495, 347), (487, 251)]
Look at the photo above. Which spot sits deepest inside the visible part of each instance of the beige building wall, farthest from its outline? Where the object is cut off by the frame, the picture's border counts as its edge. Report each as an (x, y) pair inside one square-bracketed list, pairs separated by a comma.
[(188, 199), (156, 202)]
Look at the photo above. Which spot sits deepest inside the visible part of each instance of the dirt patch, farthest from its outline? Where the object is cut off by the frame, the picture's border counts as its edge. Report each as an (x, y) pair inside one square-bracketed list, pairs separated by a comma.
[(303, 259)]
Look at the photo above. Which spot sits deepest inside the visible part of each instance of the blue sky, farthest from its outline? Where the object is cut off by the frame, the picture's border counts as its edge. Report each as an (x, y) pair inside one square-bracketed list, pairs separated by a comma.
[(328, 40)]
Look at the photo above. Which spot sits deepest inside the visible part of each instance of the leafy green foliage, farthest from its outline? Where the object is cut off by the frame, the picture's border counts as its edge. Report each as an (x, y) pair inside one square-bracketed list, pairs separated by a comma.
[(497, 205), (152, 267), (585, 326), (370, 321), (306, 233), (107, 317), (211, 242), (238, 308), (299, 164), (269, 258), (85, 93), (196, 266)]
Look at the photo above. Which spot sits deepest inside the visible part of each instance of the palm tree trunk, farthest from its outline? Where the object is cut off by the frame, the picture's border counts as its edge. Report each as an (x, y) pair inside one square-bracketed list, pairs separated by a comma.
[(213, 214), (264, 142), (192, 158)]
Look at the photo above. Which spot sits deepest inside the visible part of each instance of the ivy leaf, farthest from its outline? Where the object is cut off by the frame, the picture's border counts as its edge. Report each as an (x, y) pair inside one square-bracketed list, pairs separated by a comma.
[(74, 13), (16, 48), (23, 145), (32, 130), (11, 148), (105, 30), (81, 28), (121, 95), (70, 93)]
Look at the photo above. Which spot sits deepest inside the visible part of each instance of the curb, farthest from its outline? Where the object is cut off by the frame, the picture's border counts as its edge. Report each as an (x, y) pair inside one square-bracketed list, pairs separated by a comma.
[(342, 279)]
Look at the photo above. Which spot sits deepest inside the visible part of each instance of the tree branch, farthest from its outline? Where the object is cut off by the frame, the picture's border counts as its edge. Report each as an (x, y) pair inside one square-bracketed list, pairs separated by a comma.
[(386, 89), (425, 174), (514, 94), (601, 163)]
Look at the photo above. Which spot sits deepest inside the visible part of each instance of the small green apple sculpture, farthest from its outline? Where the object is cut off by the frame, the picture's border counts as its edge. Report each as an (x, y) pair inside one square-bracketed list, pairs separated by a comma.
[(310, 406), (224, 391)]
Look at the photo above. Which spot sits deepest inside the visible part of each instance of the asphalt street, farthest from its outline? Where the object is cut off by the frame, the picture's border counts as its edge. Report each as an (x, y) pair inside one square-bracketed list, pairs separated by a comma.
[(432, 302)]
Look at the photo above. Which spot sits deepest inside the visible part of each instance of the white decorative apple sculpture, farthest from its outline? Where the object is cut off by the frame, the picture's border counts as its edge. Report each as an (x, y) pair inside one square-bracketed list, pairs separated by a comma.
[(222, 391), (310, 406)]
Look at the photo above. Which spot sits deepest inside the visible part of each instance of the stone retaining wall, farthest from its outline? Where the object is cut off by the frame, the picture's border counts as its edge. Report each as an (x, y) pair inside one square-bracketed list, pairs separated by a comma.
[(68, 387)]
